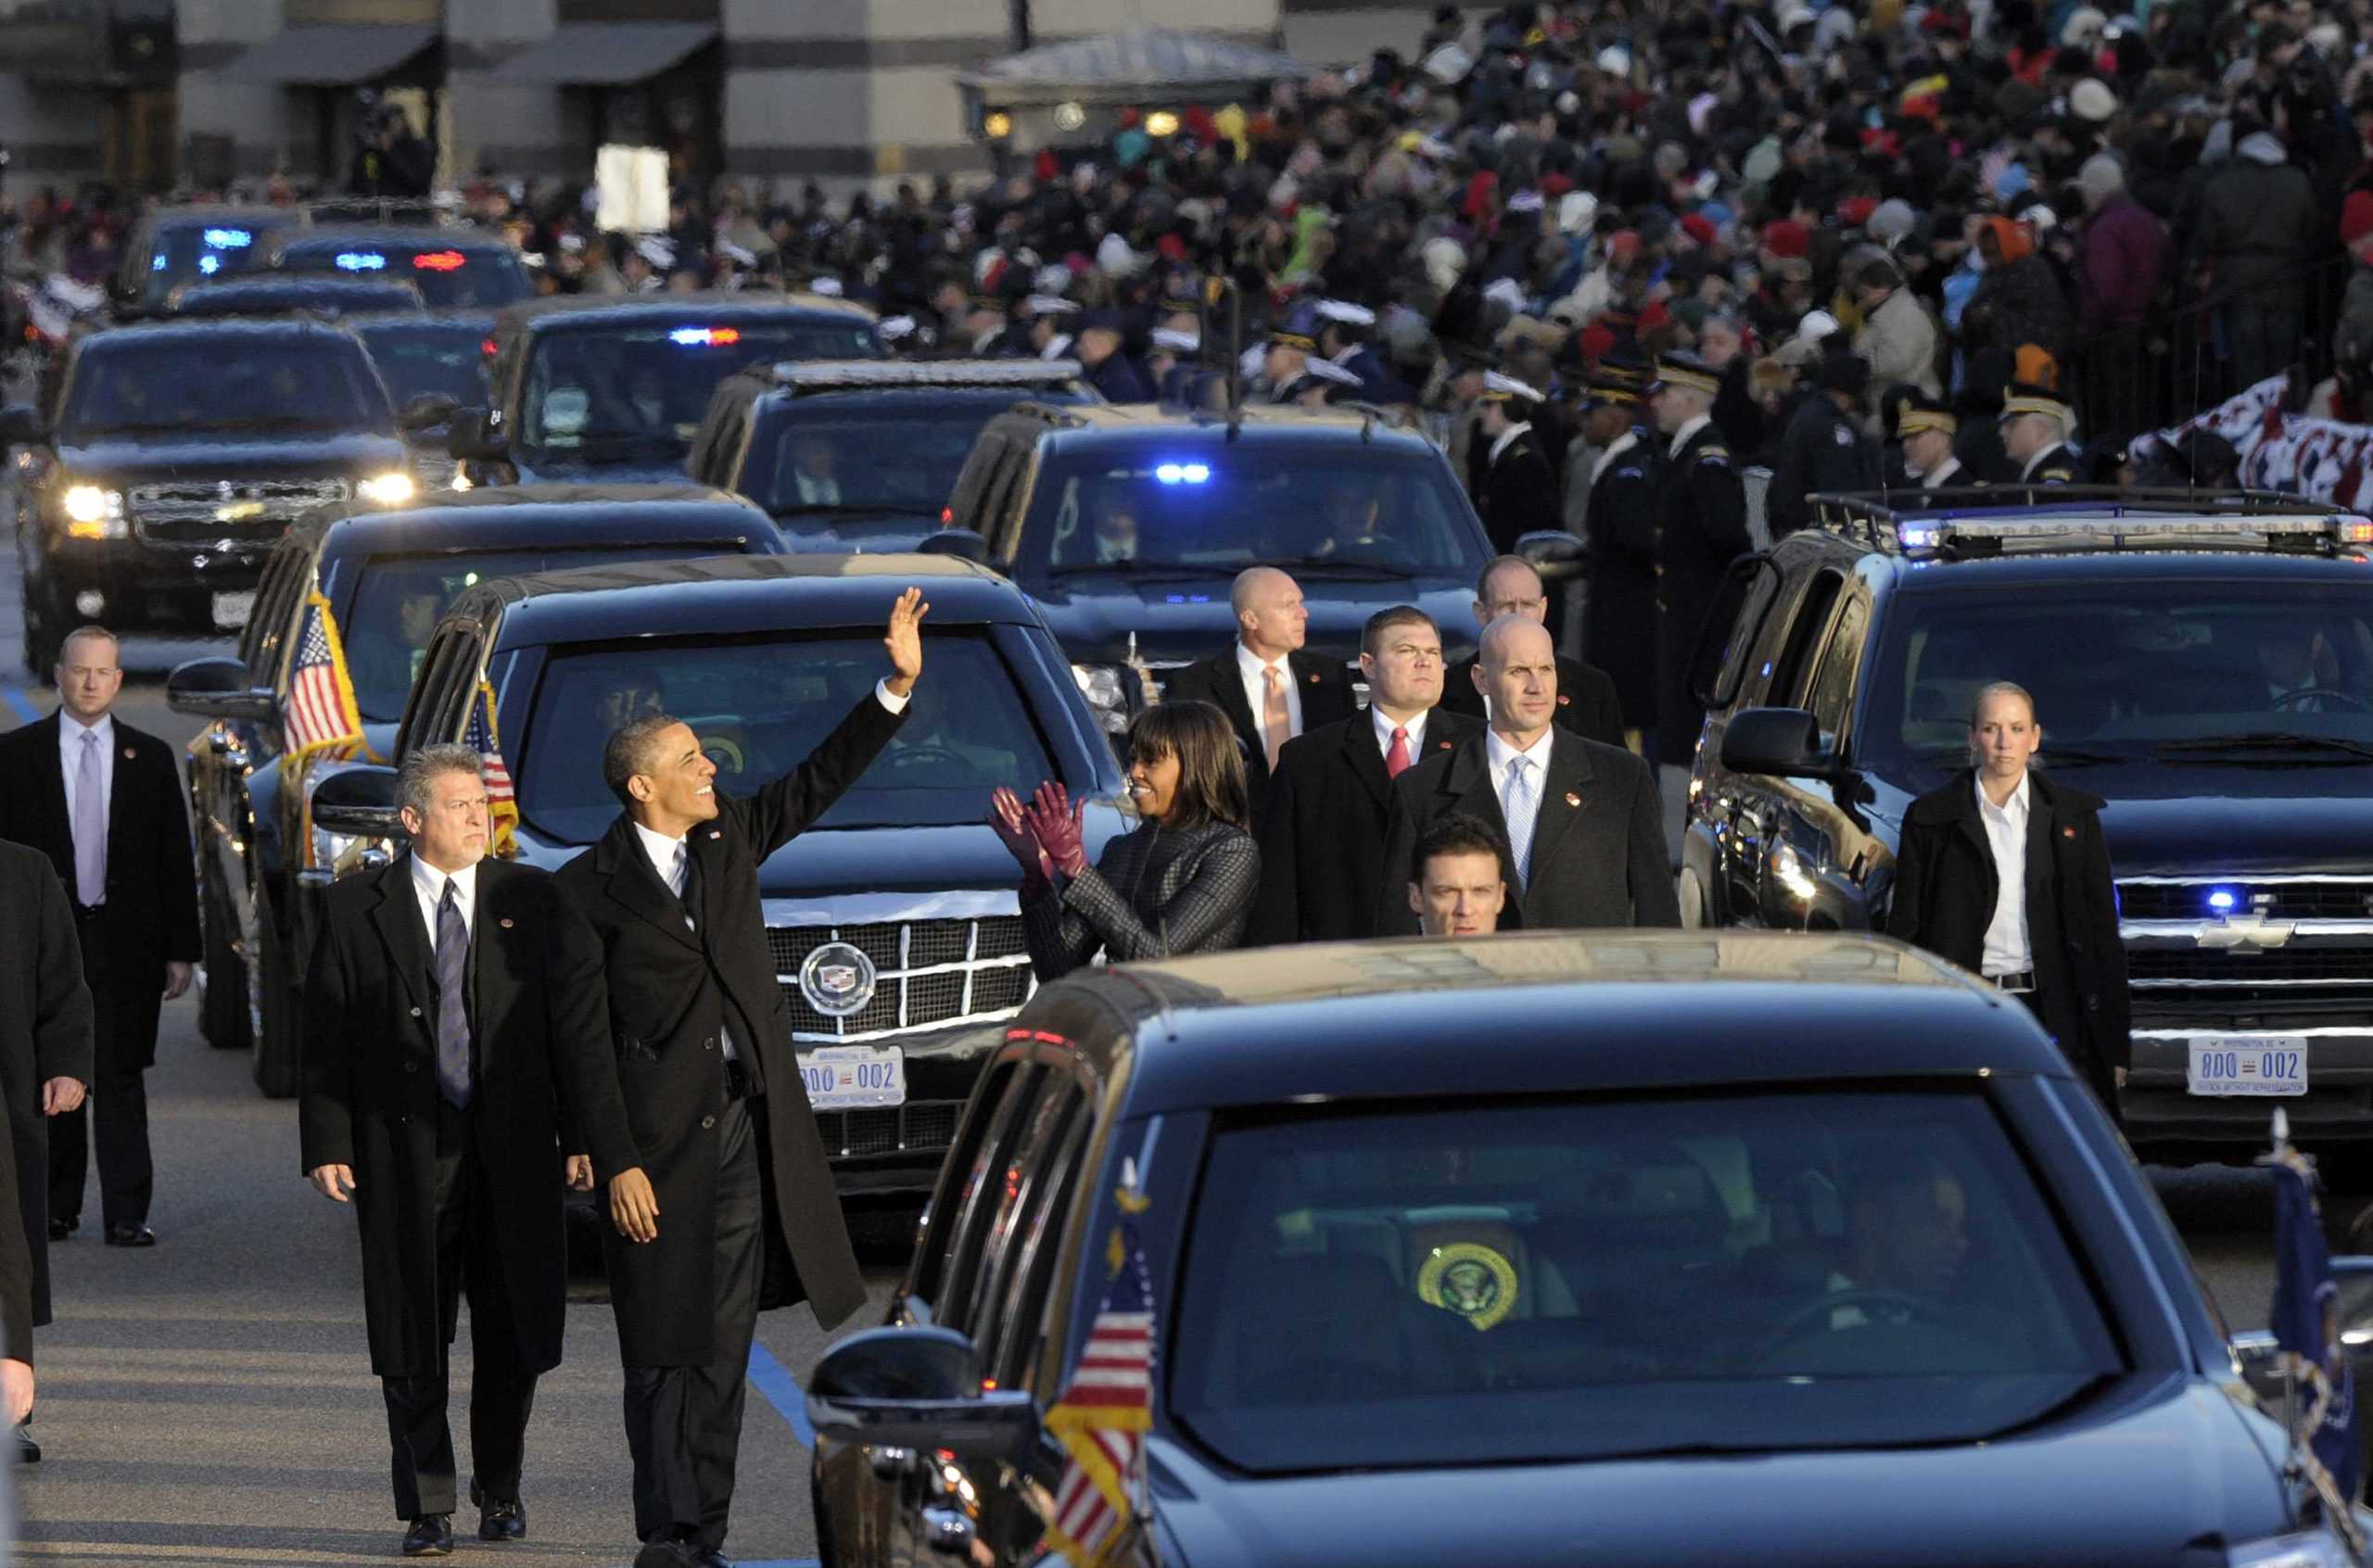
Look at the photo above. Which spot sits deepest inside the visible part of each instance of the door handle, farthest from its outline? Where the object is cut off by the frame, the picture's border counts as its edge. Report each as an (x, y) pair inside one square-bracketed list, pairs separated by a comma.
[(948, 1530), (890, 1464)]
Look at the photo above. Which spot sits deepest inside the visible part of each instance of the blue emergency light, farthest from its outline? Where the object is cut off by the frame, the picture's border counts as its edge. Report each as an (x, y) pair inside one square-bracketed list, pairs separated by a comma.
[(704, 338), (209, 265), (157, 263), (360, 261), (2223, 901), (1183, 473), (229, 239)]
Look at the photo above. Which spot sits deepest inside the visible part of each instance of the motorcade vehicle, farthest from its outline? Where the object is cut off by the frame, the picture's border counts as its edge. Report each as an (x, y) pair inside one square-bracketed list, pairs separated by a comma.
[(172, 246), (438, 355), (861, 454), (169, 457), (328, 297), (1128, 523), (597, 387), (1803, 1247), (386, 578), (454, 269), (894, 922), (2202, 661)]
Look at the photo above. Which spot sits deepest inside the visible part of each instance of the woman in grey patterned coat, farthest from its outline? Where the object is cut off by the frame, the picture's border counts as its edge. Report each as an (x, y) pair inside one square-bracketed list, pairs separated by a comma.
[(1183, 883)]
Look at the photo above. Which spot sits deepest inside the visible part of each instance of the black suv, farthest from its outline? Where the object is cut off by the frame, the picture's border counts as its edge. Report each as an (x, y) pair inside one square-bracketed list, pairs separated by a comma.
[(452, 267), (592, 387), (2203, 662), (895, 922), (169, 458), (328, 297), (1128, 523), (861, 454), (175, 245), (387, 577)]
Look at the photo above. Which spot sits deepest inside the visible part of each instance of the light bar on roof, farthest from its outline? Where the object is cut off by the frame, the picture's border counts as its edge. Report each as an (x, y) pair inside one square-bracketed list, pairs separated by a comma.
[(1923, 536), (816, 373), (360, 261)]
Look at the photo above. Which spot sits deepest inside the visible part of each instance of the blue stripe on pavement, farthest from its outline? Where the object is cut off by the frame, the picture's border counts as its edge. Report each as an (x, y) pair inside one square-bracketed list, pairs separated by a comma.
[(771, 1378), (20, 704)]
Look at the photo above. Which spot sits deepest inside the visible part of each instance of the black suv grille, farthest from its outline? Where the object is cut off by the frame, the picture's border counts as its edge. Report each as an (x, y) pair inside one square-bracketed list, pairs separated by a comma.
[(2274, 900), (928, 974), (196, 515), (916, 1127), (2276, 979)]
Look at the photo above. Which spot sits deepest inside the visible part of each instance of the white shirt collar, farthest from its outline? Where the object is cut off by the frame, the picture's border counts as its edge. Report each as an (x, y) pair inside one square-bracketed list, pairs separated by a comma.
[(2032, 461), (429, 883), (1510, 434), (1499, 753), (1057, 346), (1619, 445), (1383, 727), (1689, 427), (70, 728), (661, 850), (2014, 809), (1945, 471), (1249, 663)]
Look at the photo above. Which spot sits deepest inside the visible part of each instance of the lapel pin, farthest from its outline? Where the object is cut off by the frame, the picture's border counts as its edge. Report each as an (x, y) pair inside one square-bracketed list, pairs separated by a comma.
[(127, 754), (1563, 699), (2068, 832), (1442, 745), (506, 922), (716, 832), (1313, 678), (1572, 799)]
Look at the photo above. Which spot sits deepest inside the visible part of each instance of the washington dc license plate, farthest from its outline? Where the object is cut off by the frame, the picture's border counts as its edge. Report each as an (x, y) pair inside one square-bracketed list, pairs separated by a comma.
[(852, 1077), (2248, 1064)]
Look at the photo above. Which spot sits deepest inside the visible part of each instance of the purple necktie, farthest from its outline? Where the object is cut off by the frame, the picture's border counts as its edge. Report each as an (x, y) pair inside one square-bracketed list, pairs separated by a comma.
[(90, 827), (452, 1003)]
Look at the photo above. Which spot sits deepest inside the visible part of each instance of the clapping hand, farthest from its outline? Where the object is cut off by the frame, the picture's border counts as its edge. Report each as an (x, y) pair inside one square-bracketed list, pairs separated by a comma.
[(1008, 819), (1059, 825), (904, 641)]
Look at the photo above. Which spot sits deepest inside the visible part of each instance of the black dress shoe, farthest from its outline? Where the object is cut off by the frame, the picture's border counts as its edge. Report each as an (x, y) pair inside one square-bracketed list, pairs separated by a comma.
[(711, 1558), (500, 1519), (131, 1235), (431, 1535), (28, 1451), (667, 1552), (62, 1229)]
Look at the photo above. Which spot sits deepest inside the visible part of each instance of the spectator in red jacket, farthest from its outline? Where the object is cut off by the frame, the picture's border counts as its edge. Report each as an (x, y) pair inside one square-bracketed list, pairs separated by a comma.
[(2121, 258)]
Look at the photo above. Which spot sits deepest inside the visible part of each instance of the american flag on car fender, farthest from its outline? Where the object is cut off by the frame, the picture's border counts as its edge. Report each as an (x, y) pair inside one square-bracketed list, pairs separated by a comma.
[(322, 710), (503, 803), (1104, 1414)]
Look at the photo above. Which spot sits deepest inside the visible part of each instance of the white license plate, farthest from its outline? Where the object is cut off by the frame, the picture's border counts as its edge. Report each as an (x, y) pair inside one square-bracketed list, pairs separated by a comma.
[(2247, 1064), (850, 1077), (232, 610)]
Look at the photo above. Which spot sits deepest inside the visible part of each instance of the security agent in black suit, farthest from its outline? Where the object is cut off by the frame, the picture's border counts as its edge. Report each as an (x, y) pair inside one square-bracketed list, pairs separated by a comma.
[(104, 801), (1517, 490), (1585, 846), (457, 1047), (1322, 833), (2006, 873), (746, 1215), (45, 1064), (1587, 704), (1272, 624)]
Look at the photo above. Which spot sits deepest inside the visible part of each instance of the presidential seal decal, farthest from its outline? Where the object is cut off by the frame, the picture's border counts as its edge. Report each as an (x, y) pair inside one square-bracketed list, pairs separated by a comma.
[(837, 979), (1472, 1281)]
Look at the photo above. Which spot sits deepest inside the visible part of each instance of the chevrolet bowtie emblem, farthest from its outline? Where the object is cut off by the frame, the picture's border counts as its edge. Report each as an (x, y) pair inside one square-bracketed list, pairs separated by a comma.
[(2247, 931)]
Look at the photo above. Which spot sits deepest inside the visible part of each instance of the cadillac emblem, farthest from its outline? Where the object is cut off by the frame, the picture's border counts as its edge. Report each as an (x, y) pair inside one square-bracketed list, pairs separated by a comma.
[(837, 979), (1474, 1281)]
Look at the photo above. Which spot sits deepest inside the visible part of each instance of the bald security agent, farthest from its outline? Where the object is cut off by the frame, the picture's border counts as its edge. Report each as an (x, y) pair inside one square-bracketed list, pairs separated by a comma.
[(1269, 688), (1588, 703), (456, 1067), (45, 1019), (1322, 833), (1585, 846), (746, 1216)]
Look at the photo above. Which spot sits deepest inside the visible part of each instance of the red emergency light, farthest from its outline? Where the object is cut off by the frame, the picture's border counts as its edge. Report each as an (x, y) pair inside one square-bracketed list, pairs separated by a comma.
[(439, 262)]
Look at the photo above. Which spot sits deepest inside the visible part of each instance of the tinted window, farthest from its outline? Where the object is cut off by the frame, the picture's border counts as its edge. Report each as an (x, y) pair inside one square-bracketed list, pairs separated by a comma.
[(448, 278), (201, 382), (1810, 619), (398, 601), (1833, 688), (888, 459), (637, 394), (429, 357), (189, 252), (1502, 1283), (1221, 508), (2125, 669), (760, 705)]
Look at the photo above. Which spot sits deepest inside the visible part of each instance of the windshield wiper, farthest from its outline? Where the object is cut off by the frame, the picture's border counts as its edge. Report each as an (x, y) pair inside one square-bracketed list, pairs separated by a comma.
[(2271, 740)]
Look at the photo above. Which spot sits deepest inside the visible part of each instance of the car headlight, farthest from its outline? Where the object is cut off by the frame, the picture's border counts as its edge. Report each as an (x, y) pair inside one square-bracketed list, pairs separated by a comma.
[(387, 490), (2308, 1548), (1101, 685), (94, 511)]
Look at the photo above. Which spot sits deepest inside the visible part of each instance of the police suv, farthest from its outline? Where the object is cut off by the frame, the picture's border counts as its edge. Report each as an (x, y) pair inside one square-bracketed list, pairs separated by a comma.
[(2202, 661)]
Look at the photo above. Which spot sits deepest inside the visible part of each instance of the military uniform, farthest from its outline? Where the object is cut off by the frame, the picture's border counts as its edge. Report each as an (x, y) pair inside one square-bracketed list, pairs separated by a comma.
[(2054, 465), (1822, 451), (1520, 492), (1701, 528), (1620, 627)]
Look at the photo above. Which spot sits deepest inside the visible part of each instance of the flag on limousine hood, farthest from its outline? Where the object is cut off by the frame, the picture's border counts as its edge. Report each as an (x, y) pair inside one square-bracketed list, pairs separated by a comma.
[(1104, 1414), (2307, 1321), (322, 710)]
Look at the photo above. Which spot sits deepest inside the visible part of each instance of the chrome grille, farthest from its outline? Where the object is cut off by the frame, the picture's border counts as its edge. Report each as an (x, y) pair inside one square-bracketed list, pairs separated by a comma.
[(199, 515), (919, 1126), (2282, 898), (928, 974)]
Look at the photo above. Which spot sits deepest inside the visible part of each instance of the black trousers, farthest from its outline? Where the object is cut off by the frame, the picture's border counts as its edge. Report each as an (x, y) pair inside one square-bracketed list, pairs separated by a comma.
[(469, 1264), (126, 1033), (2098, 1074), (684, 1423)]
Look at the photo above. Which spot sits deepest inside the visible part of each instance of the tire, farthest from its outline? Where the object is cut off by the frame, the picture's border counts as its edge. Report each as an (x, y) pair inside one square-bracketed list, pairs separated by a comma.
[(280, 1029), (223, 1000), (1694, 915)]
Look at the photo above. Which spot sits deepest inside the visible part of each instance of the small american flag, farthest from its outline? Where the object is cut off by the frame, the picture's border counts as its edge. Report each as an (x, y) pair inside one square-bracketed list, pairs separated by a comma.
[(1103, 1416), (503, 803), (321, 699)]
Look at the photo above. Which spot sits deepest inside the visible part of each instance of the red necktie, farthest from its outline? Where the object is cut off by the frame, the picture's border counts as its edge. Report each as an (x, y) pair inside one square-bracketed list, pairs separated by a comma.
[(1397, 757)]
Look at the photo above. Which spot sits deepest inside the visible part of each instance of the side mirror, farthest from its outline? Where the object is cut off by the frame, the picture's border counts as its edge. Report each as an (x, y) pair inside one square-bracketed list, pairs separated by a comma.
[(955, 541), (1554, 553), (1782, 742), (358, 803), (20, 426), (217, 688), (473, 436), (428, 409), (917, 1388)]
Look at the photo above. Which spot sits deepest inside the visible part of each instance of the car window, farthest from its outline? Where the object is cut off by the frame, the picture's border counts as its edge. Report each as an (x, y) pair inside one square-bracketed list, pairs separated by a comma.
[(198, 381), (2125, 667), (1031, 1179), (1029, 1291), (985, 1188), (275, 596), (760, 705), (448, 277), (1792, 669), (190, 252), (901, 458), (1750, 588), (451, 664), (1832, 686), (429, 357), (1505, 1281), (939, 1244)]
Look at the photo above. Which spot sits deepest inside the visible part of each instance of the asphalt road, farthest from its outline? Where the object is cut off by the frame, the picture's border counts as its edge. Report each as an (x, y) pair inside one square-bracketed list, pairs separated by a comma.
[(210, 1401)]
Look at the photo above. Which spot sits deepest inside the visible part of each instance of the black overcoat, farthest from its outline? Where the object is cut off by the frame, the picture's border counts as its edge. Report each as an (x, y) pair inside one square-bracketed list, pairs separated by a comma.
[(1943, 900), (1520, 492), (1701, 528), (45, 1022), (1619, 625), (1322, 832), (669, 996), (544, 1088), (1324, 685)]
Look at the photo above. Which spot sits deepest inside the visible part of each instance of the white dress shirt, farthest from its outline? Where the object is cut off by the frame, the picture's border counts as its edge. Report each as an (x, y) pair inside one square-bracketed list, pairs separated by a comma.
[(428, 891), (1689, 427), (1415, 726), (71, 731), (1501, 445), (1498, 753), (2008, 951), (1943, 475), (1256, 690)]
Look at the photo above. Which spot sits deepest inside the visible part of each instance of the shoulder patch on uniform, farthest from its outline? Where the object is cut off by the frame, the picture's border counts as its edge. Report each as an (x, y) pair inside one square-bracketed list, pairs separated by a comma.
[(1715, 454)]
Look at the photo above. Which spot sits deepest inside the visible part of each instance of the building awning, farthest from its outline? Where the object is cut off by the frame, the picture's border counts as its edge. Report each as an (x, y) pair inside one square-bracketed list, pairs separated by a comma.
[(332, 54), (604, 54), (1123, 67)]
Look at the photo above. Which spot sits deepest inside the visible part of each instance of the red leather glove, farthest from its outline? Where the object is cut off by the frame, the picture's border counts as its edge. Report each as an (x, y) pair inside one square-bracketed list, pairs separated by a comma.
[(1008, 819), (1058, 825)]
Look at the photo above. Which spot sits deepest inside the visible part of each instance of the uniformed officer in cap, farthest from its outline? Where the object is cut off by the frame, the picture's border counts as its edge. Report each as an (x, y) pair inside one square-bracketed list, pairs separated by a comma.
[(1518, 492), (2035, 424), (1927, 427), (1822, 451), (1047, 317), (1285, 359), (1101, 348), (1175, 364), (1325, 382), (1701, 528), (1619, 627), (1344, 329)]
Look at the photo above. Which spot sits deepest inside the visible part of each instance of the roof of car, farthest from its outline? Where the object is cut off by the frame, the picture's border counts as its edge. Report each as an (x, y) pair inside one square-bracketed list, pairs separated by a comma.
[(467, 320), (399, 236), (167, 328), (1553, 1012), (503, 516), (293, 286), (1142, 421), (2096, 566), (732, 595), (208, 213), (574, 308)]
